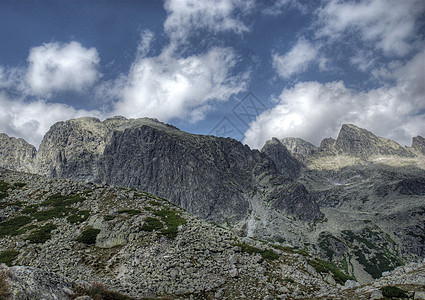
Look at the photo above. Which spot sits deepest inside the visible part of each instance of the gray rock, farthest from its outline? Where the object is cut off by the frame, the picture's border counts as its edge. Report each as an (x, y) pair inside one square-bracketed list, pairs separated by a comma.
[(376, 294), (350, 284)]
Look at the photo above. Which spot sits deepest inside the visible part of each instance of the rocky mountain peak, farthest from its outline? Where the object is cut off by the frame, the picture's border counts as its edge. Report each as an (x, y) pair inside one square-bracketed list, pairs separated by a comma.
[(359, 142), (16, 154), (418, 143), (284, 161)]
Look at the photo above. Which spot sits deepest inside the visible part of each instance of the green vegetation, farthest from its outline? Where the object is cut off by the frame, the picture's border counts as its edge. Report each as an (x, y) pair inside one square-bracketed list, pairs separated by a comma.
[(41, 235), (98, 292), (152, 224), (289, 280), (108, 217), (58, 200), (172, 219), (19, 184), (59, 207), (79, 217), (6, 204), (131, 212), (30, 209), (7, 257), (154, 203), (322, 266), (303, 252), (11, 226), (88, 236), (266, 254), (393, 292), (4, 187)]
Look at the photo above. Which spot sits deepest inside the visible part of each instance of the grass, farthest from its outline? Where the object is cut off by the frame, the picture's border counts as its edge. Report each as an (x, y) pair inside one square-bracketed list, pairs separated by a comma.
[(41, 235), (79, 217), (11, 226), (172, 219), (108, 217), (4, 187), (88, 236), (154, 203), (152, 224), (7, 257), (322, 266), (266, 254), (56, 212), (131, 212), (98, 292), (19, 184), (291, 250), (393, 292)]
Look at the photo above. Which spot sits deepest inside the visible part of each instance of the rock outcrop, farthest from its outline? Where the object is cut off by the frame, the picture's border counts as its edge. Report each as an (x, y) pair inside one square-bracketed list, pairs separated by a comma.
[(16, 154), (283, 159)]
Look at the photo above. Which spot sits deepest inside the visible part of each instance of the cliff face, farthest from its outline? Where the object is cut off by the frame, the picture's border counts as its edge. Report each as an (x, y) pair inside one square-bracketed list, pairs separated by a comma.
[(209, 176), (16, 154)]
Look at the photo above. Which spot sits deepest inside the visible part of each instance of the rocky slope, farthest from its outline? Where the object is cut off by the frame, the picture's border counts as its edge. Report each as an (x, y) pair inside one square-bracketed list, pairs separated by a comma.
[(371, 191), (136, 244), (217, 179), (356, 200)]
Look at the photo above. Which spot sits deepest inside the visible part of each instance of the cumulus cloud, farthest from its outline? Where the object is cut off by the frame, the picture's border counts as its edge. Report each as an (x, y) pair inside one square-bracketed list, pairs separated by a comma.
[(167, 87), (31, 120), (391, 25), (60, 67), (295, 60), (184, 16), (313, 111)]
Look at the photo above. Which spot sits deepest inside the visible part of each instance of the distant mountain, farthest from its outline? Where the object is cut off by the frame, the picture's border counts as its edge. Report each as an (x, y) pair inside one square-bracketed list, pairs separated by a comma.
[(357, 200)]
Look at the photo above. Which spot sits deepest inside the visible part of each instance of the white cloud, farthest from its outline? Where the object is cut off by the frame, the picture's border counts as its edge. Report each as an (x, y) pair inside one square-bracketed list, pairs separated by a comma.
[(390, 24), (167, 87), (60, 67), (313, 111), (296, 60), (184, 16), (31, 120), (146, 39)]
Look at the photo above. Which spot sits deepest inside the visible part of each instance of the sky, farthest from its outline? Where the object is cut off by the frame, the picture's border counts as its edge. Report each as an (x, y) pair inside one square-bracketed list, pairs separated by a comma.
[(250, 70)]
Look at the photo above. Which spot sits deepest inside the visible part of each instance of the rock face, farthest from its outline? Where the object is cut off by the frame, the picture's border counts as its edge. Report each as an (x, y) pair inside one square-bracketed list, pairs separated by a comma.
[(209, 176), (298, 147), (16, 154), (418, 144), (361, 143), (284, 161)]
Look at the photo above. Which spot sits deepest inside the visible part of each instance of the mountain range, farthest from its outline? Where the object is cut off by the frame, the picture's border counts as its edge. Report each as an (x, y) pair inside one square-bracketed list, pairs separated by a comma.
[(356, 201)]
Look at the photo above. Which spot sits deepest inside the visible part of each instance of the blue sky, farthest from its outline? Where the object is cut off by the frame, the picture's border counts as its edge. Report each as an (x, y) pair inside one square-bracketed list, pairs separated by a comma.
[(251, 70)]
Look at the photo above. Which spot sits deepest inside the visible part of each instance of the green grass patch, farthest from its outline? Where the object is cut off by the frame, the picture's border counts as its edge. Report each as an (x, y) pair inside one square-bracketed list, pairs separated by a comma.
[(58, 200), (172, 219), (56, 212), (79, 217), (10, 227), (99, 292), (30, 209), (152, 224), (291, 250), (16, 203), (393, 292), (266, 254), (131, 212), (154, 203), (19, 184), (108, 217), (41, 235), (7, 257), (322, 266), (88, 236)]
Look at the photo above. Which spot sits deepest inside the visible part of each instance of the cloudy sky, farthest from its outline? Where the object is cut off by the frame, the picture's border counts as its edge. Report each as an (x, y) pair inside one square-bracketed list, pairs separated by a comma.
[(251, 70)]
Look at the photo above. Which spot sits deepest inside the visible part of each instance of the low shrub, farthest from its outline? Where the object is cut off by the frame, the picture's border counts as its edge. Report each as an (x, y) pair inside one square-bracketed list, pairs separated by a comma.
[(79, 217), (131, 212), (393, 292), (98, 292), (10, 227), (152, 224), (108, 217), (88, 236), (172, 219), (7, 257), (19, 184), (41, 235), (266, 254), (322, 266)]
